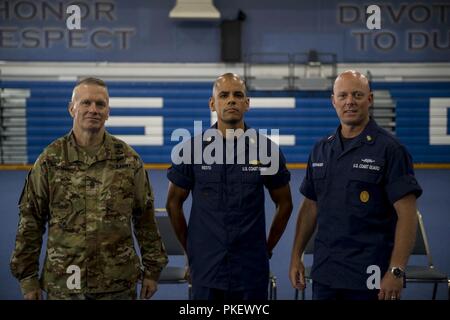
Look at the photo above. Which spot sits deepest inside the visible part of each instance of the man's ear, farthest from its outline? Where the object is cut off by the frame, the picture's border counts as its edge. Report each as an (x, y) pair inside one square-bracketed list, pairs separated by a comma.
[(332, 101), (247, 104), (371, 98), (70, 108), (211, 104)]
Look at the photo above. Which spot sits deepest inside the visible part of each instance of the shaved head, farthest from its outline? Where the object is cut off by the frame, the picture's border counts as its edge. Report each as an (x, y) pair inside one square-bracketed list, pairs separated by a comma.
[(352, 99), (228, 76), (348, 74), (229, 100)]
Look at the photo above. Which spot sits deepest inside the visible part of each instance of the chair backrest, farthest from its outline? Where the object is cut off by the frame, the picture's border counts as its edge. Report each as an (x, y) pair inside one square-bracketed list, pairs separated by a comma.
[(169, 238), (421, 246), (171, 274)]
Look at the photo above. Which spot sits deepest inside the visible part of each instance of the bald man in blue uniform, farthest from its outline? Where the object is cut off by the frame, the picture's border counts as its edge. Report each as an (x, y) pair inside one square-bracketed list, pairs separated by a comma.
[(360, 192), (226, 241)]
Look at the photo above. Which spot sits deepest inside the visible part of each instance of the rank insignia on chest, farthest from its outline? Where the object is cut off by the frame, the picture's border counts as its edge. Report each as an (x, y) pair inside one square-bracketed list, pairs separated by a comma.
[(364, 196)]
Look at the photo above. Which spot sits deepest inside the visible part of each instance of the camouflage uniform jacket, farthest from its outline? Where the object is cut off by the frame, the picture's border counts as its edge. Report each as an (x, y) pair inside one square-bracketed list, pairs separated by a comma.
[(90, 204)]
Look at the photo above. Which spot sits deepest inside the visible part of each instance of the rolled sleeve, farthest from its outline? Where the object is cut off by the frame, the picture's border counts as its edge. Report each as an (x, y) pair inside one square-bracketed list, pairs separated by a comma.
[(307, 186), (29, 284), (181, 175), (281, 178), (400, 176), (401, 187), (307, 189)]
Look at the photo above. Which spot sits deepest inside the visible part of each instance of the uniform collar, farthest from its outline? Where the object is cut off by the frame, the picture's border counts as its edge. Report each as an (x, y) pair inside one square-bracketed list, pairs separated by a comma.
[(215, 126), (369, 133), (110, 149), (367, 136), (247, 142)]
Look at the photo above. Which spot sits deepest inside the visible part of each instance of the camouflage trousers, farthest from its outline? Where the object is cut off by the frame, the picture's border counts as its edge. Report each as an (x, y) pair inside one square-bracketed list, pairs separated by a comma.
[(128, 294)]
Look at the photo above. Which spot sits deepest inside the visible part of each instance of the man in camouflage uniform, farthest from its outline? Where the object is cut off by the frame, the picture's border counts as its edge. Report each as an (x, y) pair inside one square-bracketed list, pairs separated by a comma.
[(89, 187)]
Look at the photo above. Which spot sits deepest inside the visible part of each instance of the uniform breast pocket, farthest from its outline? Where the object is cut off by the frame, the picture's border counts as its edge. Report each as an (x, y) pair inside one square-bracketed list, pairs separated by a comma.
[(123, 182), (60, 215), (118, 192), (318, 177), (209, 185), (364, 191), (251, 187)]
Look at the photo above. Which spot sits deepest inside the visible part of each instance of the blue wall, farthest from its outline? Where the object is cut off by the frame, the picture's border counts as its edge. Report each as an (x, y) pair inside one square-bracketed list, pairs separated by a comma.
[(135, 30), (311, 119)]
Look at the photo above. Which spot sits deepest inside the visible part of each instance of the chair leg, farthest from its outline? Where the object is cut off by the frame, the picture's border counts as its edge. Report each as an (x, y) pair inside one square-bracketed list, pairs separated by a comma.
[(434, 290), (448, 289), (303, 294), (296, 294), (273, 288), (270, 290)]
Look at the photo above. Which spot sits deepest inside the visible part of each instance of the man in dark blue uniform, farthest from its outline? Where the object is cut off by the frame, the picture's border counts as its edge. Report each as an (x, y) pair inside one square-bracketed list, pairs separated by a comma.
[(226, 239), (361, 193)]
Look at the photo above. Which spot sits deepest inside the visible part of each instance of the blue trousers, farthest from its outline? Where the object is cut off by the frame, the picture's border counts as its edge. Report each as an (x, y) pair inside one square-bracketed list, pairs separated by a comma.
[(324, 292), (213, 294)]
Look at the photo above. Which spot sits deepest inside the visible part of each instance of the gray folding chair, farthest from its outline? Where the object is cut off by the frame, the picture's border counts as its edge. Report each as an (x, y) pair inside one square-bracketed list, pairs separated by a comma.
[(272, 287), (425, 273), (171, 274)]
